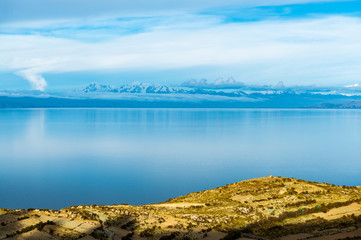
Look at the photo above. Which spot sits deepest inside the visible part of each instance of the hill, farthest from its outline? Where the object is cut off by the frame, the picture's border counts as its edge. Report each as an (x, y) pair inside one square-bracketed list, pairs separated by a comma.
[(263, 208)]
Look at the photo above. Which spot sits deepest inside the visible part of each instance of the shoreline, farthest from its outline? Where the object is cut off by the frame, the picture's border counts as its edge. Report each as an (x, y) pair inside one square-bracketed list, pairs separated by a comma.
[(252, 207)]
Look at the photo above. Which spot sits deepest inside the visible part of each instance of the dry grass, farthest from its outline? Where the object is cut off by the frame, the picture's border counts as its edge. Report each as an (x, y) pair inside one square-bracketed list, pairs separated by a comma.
[(271, 207)]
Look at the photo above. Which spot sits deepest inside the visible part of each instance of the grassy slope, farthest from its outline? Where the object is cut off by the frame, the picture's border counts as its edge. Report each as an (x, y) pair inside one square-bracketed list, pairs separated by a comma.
[(269, 207)]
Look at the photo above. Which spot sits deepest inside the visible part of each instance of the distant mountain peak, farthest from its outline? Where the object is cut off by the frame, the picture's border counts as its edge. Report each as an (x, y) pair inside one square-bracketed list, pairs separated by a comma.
[(220, 88), (96, 87), (280, 85)]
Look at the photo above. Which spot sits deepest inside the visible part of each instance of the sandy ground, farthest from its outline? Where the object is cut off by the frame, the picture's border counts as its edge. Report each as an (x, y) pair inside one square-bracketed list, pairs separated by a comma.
[(352, 234), (214, 235), (34, 235), (296, 236), (243, 198), (335, 213), (175, 205)]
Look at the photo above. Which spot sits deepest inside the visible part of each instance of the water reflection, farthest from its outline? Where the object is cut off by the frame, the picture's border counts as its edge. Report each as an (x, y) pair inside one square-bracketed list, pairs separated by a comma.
[(53, 158)]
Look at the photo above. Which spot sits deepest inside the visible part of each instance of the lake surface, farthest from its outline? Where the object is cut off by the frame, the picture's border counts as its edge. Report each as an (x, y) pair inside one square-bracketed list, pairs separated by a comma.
[(54, 158)]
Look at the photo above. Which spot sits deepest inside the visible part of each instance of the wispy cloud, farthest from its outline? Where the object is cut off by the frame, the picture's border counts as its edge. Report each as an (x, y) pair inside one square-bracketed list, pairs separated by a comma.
[(19, 10), (320, 50), (219, 83), (36, 80)]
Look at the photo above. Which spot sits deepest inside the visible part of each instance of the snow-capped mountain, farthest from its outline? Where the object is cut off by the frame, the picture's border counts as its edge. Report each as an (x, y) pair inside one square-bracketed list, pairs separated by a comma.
[(201, 95), (96, 87), (136, 87), (239, 91), (146, 88)]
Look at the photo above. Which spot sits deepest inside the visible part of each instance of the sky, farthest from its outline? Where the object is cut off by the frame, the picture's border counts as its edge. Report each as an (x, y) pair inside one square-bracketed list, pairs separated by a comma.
[(64, 44)]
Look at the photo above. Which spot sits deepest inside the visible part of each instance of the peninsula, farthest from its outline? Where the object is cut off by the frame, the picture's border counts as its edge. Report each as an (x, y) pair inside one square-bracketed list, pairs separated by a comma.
[(262, 208)]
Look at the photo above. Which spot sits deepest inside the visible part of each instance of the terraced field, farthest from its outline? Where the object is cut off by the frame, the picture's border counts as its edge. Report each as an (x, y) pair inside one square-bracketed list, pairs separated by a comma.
[(263, 208)]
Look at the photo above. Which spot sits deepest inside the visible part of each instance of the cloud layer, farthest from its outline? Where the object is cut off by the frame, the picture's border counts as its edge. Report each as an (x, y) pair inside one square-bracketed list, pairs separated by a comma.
[(318, 50), (19, 10)]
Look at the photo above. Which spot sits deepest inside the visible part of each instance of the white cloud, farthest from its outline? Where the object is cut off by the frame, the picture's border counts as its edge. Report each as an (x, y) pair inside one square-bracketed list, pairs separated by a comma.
[(218, 83), (36, 80), (324, 49), (20, 10)]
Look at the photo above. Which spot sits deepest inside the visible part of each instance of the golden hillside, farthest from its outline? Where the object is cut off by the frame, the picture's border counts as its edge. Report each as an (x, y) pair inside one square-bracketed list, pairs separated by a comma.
[(263, 208)]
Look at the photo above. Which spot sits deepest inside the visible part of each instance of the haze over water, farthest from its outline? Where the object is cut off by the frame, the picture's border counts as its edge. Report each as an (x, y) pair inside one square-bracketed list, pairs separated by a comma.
[(53, 158)]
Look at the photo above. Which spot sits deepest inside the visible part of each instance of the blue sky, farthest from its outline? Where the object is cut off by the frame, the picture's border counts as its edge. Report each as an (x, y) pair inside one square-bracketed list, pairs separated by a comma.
[(63, 44)]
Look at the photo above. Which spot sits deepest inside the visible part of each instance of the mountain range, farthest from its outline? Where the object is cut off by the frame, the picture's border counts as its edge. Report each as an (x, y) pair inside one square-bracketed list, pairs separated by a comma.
[(224, 94)]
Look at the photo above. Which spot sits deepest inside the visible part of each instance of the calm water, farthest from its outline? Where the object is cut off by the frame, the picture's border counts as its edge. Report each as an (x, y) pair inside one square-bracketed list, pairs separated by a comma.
[(53, 158)]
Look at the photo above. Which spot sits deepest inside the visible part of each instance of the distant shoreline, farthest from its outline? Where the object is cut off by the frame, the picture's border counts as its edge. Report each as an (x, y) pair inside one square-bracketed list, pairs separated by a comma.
[(15, 102)]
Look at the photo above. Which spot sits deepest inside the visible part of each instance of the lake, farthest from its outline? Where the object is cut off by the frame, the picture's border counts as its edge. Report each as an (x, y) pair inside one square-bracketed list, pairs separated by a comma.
[(54, 158)]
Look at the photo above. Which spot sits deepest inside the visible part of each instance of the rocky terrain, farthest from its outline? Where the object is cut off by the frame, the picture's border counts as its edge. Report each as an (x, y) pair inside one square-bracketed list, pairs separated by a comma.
[(263, 208)]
